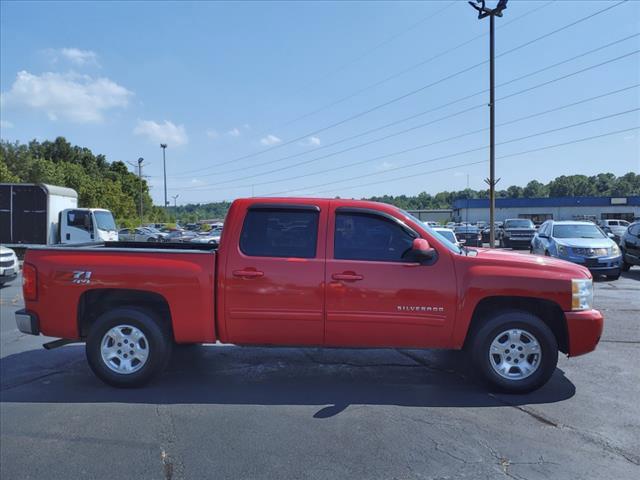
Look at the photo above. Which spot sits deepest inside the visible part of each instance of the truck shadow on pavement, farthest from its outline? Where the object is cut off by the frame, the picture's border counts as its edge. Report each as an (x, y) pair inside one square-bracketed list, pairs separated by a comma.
[(329, 378)]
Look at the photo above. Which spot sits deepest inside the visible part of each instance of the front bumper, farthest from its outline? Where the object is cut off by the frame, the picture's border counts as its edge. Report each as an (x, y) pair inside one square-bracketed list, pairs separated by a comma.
[(27, 322), (4, 277), (584, 329), (600, 265)]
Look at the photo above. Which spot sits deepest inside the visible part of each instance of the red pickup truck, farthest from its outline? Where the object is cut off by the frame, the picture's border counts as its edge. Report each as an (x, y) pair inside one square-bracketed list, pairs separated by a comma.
[(312, 272)]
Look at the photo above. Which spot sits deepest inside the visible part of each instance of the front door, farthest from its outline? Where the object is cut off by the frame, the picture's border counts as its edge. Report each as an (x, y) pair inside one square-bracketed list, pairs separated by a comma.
[(274, 291), (376, 298)]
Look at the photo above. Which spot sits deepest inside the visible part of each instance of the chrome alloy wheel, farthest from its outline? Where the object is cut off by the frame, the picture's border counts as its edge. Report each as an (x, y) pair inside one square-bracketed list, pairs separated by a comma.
[(124, 349), (515, 354)]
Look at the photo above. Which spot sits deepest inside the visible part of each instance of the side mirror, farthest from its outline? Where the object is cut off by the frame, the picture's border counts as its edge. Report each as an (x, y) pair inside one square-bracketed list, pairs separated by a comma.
[(462, 241), (611, 235), (421, 250)]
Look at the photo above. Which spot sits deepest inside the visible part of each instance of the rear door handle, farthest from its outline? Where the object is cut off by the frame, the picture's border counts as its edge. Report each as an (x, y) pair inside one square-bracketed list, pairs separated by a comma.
[(248, 273), (347, 277)]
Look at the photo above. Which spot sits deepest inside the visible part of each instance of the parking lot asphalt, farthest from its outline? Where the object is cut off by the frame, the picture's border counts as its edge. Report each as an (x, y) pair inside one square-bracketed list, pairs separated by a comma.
[(228, 412)]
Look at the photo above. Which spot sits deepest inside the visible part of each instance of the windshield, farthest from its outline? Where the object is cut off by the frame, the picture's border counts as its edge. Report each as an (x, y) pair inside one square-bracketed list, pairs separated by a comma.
[(451, 246), (577, 231), (447, 235), (104, 220), (518, 224)]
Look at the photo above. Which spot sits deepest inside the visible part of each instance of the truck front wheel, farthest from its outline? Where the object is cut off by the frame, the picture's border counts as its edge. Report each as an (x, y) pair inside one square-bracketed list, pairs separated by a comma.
[(515, 351), (127, 346)]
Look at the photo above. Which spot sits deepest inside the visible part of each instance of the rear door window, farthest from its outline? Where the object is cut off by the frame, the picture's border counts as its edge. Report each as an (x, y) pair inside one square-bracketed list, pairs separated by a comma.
[(280, 232)]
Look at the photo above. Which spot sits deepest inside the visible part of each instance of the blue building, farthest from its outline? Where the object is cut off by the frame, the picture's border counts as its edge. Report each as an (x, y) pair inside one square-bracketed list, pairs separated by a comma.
[(541, 209)]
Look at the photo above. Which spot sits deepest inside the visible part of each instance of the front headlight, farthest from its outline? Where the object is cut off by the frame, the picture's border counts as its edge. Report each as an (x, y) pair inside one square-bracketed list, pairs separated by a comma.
[(581, 294), (562, 250), (615, 250)]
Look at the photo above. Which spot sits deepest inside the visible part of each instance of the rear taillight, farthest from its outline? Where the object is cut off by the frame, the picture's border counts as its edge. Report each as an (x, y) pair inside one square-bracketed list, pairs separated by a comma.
[(29, 282)]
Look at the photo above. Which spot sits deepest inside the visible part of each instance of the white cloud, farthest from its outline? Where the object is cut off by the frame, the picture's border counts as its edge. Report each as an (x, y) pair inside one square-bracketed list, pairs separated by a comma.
[(234, 132), (5, 124), (311, 142), (270, 140), (78, 98), (385, 166), (76, 56), (212, 133), (196, 183), (167, 132)]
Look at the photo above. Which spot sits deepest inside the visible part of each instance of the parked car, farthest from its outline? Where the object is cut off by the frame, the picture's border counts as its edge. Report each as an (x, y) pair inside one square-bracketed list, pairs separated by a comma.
[(618, 227), (211, 237), (157, 232), (9, 266), (579, 242), (449, 235), (138, 235), (486, 232), (516, 233), (312, 272), (630, 246), (470, 234)]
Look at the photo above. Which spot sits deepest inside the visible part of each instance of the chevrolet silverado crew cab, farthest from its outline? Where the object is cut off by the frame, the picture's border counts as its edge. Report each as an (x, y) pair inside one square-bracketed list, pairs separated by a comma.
[(312, 272)]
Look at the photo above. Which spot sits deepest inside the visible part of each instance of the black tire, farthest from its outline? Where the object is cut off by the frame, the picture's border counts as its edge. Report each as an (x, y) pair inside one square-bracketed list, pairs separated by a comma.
[(514, 319), (625, 266), (159, 346), (151, 239), (613, 277)]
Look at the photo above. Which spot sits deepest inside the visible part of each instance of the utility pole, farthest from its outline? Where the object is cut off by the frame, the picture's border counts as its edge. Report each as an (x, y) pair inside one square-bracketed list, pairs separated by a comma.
[(483, 12), (175, 205), (139, 165), (467, 221), (164, 166)]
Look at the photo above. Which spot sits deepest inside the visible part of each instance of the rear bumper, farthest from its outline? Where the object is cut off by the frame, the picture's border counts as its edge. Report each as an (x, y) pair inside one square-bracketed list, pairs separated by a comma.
[(27, 322), (585, 330)]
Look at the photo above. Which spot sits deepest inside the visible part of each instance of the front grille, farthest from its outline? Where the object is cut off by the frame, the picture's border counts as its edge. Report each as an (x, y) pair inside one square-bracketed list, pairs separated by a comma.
[(6, 255), (6, 263), (591, 252)]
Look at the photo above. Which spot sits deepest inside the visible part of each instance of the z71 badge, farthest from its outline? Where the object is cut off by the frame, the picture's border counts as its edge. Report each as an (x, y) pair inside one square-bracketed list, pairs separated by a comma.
[(81, 277)]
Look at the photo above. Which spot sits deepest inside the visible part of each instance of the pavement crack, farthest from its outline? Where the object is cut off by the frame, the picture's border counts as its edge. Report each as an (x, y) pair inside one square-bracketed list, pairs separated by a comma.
[(30, 380), (631, 342), (172, 466)]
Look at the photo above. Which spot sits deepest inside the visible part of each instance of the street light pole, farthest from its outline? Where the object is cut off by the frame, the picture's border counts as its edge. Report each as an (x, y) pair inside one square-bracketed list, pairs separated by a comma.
[(164, 166), (483, 12), (140, 160), (175, 205)]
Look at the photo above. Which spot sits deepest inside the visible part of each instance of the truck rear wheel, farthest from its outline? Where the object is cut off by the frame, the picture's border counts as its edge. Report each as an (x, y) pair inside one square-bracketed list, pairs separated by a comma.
[(127, 347), (515, 351)]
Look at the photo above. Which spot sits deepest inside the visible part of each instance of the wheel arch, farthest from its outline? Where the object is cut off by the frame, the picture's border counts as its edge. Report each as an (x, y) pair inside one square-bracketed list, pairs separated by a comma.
[(95, 302), (548, 311)]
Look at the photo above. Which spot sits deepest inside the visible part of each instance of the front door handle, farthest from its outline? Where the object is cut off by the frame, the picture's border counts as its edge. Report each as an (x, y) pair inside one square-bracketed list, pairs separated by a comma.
[(347, 277), (248, 273)]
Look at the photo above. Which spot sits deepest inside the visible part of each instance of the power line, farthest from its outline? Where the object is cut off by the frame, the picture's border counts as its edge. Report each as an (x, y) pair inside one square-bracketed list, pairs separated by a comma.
[(606, 62), (371, 50), (456, 154), (546, 147), (455, 137), (402, 120), (408, 94), (410, 68), (375, 140)]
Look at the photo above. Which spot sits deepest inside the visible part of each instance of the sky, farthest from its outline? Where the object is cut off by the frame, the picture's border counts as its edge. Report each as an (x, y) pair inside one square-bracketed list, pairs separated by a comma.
[(326, 98)]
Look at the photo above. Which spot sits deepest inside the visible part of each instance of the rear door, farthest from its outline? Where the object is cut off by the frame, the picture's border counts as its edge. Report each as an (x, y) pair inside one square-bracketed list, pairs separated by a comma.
[(274, 291), (374, 297)]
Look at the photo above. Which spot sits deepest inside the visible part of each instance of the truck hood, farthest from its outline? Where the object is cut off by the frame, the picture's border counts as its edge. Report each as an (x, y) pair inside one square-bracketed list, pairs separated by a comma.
[(543, 266)]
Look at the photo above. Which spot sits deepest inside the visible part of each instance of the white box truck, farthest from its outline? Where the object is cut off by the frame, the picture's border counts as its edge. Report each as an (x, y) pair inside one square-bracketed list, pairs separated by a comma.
[(40, 214)]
